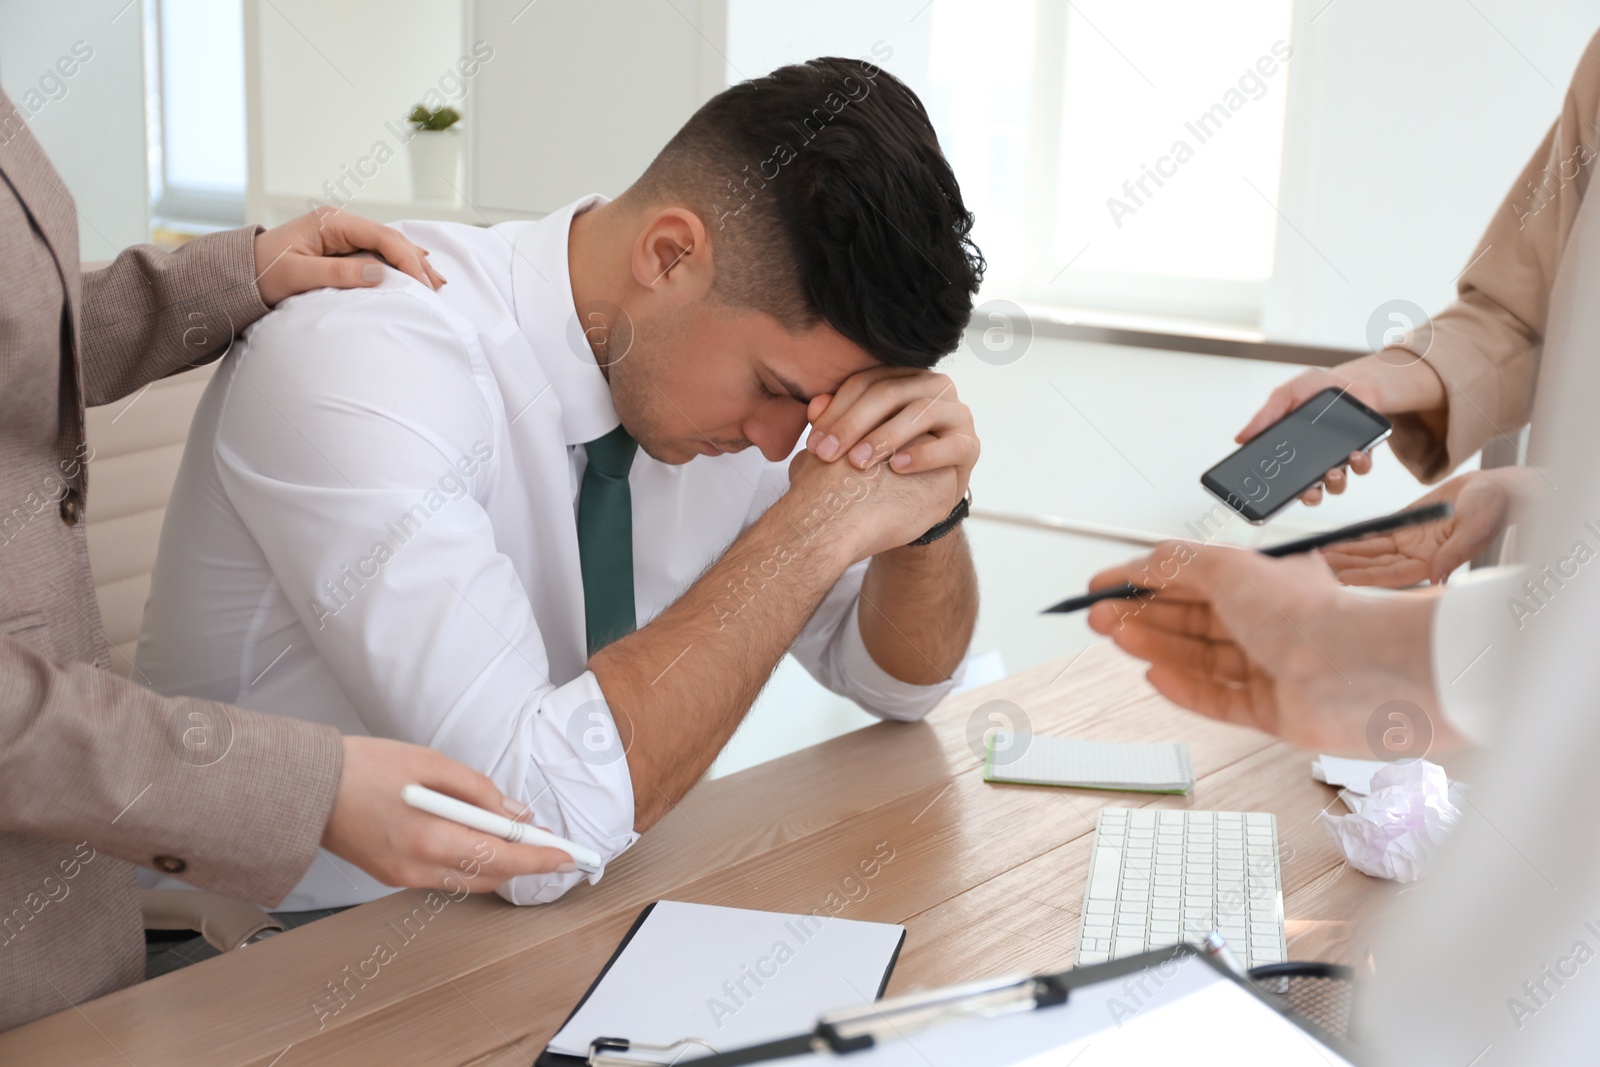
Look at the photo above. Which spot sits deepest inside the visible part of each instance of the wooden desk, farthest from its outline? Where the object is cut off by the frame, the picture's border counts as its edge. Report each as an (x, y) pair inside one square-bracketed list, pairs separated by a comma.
[(987, 879)]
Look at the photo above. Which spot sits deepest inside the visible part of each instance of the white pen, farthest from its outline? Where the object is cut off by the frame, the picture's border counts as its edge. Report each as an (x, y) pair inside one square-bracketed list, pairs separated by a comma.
[(475, 818)]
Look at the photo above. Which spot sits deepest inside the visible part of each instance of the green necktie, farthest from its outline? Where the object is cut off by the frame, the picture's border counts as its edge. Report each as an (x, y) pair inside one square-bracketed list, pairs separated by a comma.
[(605, 539)]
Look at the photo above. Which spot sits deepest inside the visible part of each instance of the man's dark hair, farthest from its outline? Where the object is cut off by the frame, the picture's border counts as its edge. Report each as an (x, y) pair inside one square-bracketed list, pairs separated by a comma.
[(827, 197)]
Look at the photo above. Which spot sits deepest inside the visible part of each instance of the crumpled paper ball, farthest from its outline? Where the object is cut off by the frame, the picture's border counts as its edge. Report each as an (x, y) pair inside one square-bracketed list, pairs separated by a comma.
[(1395, 830)]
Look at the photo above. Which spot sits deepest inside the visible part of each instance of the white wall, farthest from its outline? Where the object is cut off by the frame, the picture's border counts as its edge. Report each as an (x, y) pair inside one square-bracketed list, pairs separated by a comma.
[(583, 93), (336, 81), (93, 130), (1407, 124)]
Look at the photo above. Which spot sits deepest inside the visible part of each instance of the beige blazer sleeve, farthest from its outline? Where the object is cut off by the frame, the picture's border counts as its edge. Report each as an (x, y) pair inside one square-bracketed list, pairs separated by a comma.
[(237, 798), (153, 313), (1486, 345)]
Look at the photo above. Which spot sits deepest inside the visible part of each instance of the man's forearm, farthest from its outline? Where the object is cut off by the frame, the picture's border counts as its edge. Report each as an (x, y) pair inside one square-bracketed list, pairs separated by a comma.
[(919, 605), (679, 687)]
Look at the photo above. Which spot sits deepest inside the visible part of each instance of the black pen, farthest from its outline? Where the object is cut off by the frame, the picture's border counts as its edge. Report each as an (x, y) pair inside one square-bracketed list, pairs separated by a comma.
[(1398, 521)]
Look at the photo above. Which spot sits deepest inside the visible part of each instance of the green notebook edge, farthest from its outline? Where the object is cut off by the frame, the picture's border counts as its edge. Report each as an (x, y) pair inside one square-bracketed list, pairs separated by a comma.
[(989, 775)]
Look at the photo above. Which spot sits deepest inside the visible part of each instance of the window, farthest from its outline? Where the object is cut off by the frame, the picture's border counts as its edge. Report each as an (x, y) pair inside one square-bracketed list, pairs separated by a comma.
[(195, 110), (1119, 155), (1063, 118)]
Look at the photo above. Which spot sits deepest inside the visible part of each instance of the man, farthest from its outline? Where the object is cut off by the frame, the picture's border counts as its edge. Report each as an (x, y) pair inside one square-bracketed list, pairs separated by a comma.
[(455, 541), (97, 773)]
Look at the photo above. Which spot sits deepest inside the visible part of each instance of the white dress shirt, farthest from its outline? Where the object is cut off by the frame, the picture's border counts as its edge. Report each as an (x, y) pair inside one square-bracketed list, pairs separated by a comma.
[(374, 526)]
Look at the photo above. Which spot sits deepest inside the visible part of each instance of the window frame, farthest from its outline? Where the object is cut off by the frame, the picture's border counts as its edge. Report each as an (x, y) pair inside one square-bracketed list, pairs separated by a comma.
[(172, 202)]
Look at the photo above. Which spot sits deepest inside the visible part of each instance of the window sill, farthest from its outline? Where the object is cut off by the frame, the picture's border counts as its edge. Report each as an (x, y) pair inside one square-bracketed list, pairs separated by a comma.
[(1174, 335)]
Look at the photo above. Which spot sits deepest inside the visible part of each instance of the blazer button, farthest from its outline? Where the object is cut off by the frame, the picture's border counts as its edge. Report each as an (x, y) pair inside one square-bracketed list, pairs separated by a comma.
[(169, 864), (71, 507)]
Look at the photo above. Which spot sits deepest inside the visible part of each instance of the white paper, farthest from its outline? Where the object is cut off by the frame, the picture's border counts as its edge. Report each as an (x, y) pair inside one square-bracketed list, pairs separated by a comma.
[(1352, 774), (1395, 830), (730, 977)]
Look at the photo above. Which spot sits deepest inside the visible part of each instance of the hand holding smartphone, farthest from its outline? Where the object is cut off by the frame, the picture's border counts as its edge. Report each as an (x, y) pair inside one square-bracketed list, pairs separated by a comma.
[(1293, 454)]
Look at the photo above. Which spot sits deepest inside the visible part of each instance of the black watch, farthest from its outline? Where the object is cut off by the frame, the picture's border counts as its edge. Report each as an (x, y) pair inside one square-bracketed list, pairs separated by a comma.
[(950, 522)]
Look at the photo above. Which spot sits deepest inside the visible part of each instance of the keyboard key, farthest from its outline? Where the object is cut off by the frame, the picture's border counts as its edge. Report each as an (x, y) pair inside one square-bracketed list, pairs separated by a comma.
[(1128, 946), (1103, 883)]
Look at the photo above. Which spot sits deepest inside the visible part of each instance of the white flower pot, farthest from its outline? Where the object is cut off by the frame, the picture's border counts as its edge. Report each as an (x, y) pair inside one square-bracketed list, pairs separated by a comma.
[(436, 164)]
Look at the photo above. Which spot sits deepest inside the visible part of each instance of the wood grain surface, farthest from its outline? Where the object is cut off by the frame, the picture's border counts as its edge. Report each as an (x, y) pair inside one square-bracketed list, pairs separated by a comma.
[(987, 879)]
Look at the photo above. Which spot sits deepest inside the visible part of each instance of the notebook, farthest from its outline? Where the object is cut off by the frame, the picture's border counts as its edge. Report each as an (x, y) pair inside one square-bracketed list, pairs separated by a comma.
[(727, 977), (1028, 759)]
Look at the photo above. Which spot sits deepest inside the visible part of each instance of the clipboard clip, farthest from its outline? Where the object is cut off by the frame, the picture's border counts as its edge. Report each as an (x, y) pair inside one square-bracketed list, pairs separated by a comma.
[(602, 1051), (859, 1028)]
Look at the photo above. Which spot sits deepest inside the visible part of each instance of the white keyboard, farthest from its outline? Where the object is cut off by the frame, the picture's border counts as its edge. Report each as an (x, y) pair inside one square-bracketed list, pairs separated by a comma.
[(1160, 877)]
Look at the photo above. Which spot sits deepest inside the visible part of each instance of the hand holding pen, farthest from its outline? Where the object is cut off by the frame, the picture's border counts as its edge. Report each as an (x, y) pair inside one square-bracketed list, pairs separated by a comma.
[(1401, 519), (1275, 644)]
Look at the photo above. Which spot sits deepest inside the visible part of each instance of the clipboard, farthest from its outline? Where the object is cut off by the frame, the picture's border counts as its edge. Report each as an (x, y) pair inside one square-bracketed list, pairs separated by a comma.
[(556, 1059), (682, 1051), (866, 1034)]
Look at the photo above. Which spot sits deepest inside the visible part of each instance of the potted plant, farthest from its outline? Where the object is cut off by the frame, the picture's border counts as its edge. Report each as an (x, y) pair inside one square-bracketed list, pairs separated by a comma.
[(435, 153)]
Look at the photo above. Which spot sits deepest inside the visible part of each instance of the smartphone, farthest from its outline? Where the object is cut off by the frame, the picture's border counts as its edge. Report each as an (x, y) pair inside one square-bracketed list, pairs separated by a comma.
[(1295, 453)]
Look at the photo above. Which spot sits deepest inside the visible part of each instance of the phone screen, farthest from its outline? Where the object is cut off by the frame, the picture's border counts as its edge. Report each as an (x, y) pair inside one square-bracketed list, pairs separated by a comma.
[(1294, 453)]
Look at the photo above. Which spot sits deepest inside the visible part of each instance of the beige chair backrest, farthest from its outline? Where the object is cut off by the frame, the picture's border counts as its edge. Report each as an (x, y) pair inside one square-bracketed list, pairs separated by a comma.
[(137, 443)]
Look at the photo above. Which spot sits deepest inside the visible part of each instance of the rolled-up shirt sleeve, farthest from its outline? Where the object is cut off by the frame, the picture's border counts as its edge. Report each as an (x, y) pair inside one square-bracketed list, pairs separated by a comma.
[(365, 500)]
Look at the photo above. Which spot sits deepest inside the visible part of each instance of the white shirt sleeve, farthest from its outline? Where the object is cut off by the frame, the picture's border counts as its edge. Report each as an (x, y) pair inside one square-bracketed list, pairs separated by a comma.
[(831, 648), (1474, 632), (354, 444)]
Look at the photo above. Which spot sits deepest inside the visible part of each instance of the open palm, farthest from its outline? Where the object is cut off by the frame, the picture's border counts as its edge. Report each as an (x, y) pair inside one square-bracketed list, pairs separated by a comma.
[(1428, 553)]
